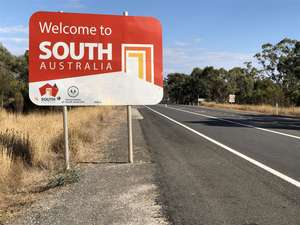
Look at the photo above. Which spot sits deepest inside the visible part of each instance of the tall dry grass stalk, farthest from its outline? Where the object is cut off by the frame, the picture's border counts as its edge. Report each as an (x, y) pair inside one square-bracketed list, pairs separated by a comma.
[(5, 163), (268, 109), (36, 139), (11, 171)]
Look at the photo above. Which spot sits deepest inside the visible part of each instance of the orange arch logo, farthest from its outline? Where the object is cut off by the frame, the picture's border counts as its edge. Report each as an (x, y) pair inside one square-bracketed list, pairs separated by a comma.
[(137, 60)]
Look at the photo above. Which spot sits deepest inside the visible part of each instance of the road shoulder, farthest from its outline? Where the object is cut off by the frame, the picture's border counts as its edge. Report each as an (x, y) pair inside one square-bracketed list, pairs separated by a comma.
[(110, 191)]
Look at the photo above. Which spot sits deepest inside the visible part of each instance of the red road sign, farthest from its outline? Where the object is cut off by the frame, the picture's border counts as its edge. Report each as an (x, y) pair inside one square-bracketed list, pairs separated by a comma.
[(90, 59)]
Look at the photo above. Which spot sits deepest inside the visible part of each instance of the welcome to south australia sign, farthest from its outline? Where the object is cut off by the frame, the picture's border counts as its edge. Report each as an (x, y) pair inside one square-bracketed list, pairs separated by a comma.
[(86, 59)]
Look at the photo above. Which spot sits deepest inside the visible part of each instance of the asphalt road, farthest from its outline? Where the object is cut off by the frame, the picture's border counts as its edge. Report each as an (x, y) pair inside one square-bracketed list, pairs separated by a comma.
[(203, 182)]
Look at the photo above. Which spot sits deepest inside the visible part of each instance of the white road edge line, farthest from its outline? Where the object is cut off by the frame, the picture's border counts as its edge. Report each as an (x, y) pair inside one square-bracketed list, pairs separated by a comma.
[(235, 152), (241, 124)]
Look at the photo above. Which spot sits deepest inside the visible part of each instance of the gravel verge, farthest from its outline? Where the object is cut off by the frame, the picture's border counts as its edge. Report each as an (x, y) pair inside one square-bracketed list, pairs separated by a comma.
[(110, 191)]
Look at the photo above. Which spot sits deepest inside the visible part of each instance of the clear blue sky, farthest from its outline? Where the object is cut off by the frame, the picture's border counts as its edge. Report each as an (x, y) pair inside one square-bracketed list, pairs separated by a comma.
[(221, 33)]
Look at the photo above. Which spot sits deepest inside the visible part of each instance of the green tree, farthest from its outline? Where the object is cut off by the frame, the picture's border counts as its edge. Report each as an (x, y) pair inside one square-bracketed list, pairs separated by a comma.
[(267, 92), (13, 77), (272, 55), (175, 83), (5, 79), (241, 83)]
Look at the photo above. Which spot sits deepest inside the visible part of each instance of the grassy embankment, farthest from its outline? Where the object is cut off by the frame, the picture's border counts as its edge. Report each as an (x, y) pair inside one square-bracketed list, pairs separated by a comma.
[(267, 109), (31, 146)]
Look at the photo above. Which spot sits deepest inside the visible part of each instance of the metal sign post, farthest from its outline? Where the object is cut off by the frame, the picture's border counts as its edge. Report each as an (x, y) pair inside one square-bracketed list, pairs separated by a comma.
[(129, 123), (66, 134), (66, 137), (130, 146)]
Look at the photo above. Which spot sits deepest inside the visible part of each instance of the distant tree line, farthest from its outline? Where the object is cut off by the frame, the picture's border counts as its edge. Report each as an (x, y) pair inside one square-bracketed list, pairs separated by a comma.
[(277, 80)]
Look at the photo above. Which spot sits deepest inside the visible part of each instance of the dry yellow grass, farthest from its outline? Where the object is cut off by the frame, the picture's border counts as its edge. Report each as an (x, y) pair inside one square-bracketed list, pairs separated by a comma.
[(267, 109), (6, 164), (36, 141), (32, 149)]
